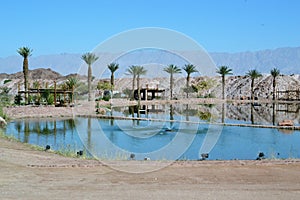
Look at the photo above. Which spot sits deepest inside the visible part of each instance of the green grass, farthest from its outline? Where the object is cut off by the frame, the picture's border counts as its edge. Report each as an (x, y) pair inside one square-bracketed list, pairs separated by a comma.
[(67, 151), (7, 137)]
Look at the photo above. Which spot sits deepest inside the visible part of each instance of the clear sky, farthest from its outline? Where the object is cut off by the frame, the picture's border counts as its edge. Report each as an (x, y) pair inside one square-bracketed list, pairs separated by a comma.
[(78, 26)]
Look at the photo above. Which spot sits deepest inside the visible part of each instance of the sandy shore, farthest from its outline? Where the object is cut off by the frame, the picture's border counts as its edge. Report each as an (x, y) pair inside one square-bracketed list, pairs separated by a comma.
[(30, 174)]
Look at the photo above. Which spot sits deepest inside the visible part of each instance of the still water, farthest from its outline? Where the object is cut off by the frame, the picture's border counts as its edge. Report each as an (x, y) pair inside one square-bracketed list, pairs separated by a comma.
[(165, 139)]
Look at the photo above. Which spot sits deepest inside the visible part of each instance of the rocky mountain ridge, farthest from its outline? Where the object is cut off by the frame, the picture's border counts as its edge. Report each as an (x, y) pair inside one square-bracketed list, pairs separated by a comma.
[(286, 59)]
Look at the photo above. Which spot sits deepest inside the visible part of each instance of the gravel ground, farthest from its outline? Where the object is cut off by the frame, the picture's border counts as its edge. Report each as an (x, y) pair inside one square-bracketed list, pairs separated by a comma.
[(30, 174)]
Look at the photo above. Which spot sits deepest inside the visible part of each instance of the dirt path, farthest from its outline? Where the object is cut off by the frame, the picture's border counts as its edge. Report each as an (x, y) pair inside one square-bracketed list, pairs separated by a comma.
[(29, 174)]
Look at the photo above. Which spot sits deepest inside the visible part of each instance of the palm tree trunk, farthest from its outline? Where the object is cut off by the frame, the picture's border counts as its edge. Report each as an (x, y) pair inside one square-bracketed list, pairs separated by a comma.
[(187, 85), (274, 85), (139, 91), (252, 86), (133, 86), (223, 87), (112, 81), (273, 114), (25, 71), (90, 83), (251, 114), (223, 113), (171, 116), (171, 86)]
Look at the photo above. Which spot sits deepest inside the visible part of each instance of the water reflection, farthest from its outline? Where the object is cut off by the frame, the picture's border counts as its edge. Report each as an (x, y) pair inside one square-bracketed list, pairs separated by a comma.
[(249, 113), (143, 136), (57, 133), (268, 113)]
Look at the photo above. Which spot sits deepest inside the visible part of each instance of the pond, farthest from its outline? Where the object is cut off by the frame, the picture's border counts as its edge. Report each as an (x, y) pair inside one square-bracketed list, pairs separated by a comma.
[(167, 133)]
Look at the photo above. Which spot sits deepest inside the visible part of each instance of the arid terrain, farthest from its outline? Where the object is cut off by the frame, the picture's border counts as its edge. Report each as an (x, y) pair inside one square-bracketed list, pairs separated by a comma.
[(27, 173), (236, 86), (31, 174)]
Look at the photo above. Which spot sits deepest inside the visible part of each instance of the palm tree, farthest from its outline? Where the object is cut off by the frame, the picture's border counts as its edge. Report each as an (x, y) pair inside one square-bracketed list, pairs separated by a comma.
[(25, 52), (132, 70), (89, 59), (189, 69), (71, 83), (253, 75), (274, 72), (140, 71), (172, 69), (37, 85), (112, 67), (223, 71)]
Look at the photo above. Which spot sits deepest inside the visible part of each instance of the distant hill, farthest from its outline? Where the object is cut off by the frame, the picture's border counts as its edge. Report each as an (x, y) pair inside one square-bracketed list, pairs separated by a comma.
[(62, 63), (236, 86), (286, 59)]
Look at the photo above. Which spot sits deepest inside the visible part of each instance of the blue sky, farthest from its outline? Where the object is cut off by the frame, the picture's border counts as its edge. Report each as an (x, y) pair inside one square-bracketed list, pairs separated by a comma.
[(78, 26)]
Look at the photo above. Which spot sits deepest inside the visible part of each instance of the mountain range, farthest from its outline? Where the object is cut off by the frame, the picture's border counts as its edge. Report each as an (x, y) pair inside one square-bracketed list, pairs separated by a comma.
[(286, 59)]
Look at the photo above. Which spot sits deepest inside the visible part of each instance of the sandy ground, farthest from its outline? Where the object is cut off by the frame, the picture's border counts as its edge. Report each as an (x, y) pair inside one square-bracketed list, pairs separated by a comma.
[(30, 174)]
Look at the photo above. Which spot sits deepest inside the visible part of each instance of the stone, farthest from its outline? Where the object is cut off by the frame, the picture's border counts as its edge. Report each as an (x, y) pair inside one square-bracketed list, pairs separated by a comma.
[(2, 122)]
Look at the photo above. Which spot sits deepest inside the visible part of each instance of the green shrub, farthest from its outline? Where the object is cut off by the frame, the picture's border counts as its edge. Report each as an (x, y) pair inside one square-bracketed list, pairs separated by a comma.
[(106, 98), (18, 98)]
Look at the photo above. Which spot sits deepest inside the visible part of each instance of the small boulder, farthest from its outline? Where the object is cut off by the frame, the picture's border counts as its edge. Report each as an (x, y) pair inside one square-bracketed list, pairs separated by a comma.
[(2, 122)]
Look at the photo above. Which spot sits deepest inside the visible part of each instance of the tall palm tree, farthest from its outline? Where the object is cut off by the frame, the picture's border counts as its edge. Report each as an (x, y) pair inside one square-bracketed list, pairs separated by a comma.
[(140, 71), (189, 69), (89, 59), (25, 52), (274, 72), (132, 70), (112, 67), (253, 75), (223, 71), (172, 69)]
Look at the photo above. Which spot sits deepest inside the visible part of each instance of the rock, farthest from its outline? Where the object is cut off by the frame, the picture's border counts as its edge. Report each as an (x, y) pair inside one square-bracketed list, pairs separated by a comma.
[(2, 122), (286, 122), (100, 111)]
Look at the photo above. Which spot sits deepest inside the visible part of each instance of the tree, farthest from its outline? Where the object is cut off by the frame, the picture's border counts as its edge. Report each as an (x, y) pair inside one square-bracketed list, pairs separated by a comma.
[(25, 52), (71, 83), (140, 71), (37, 85), (132, 70), (253, 74), (223, 71), (274, 72), (89, 59), (103, 85), (203, 87), (112, 67), (189, 69), (172, 69)]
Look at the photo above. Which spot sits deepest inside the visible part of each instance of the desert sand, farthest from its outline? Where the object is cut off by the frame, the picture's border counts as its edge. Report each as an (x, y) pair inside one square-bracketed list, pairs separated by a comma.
[(30, 174), (27, 173)]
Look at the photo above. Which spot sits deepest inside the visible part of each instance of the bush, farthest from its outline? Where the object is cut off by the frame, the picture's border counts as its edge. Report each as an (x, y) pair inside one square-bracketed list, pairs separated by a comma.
[(106, 98), (18, 98)]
